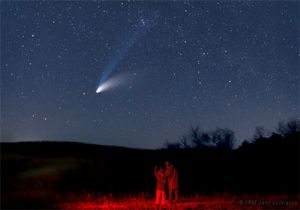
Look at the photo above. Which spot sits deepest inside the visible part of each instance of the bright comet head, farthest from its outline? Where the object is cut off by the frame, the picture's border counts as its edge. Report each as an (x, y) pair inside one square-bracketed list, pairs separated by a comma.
[(111, 83), (99, 89), (104, 86)]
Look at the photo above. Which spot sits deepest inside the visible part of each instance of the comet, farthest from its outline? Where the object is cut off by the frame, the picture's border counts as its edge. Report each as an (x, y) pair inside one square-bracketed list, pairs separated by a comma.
[(113, 82), (102, 88), (142, 26)]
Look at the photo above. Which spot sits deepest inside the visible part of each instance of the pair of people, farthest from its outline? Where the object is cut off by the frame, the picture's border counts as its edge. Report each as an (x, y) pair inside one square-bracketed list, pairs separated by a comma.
[(166, 177)]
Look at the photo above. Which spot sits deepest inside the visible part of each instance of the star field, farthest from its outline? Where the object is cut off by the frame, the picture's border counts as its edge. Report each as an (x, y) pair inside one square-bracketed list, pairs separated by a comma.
[(213, 64)]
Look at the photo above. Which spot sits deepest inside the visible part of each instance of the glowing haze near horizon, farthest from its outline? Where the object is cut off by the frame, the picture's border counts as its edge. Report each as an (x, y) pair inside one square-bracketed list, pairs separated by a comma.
[(215, 64)]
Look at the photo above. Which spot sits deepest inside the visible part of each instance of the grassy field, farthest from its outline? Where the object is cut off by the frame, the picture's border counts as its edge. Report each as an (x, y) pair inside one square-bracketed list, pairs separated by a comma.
[(227, 201), (143, 201)]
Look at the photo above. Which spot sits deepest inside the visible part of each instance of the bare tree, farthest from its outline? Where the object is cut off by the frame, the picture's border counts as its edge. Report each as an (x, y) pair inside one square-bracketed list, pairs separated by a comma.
[(184, 141), (198, 138), (259, 132), (290, 127), (293, 126), (223, 138)]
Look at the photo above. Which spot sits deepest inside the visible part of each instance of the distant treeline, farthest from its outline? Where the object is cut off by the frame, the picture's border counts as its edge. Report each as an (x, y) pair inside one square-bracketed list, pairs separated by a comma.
[(206, 164), (223, 138)]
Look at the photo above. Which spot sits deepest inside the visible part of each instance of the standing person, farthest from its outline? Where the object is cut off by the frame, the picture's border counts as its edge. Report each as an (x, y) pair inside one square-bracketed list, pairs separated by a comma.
[(161, 181), (173, 183)]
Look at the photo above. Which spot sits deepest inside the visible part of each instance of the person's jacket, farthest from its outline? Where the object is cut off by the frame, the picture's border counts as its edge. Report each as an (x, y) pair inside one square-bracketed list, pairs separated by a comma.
[(161, 180), (172, 176)]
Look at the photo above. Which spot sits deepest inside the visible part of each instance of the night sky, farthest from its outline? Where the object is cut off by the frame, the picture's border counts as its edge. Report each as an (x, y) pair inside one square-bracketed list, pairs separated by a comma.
[(166, 66)]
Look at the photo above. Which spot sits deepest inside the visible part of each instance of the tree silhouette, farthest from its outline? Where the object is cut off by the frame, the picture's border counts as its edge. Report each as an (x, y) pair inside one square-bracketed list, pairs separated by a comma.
[(288, 128), (223, 138), (199, 138), (259, 132), (184, 142), (219, 138)]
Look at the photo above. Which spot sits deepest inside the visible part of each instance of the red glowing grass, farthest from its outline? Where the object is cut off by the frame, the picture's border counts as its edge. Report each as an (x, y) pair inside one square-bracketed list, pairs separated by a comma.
[(196, 202), (54, 200)]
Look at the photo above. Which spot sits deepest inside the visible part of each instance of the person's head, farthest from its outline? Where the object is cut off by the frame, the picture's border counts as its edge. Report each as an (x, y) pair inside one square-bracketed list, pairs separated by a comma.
[(168, 164)]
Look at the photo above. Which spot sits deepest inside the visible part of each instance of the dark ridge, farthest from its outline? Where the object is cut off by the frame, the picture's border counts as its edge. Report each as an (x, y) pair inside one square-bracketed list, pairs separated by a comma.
[(62, 149)]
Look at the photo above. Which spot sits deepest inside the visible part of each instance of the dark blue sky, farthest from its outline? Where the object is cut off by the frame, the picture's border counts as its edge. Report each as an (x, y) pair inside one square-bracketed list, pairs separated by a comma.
[(215, 64)]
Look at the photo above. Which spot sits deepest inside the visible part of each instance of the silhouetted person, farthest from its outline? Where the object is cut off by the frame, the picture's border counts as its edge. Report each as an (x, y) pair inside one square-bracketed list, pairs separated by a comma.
[(161, 181), (173, 184)]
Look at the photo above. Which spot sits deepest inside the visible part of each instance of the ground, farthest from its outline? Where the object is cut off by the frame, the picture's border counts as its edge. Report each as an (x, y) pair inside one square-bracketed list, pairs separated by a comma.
[(213, 202)]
